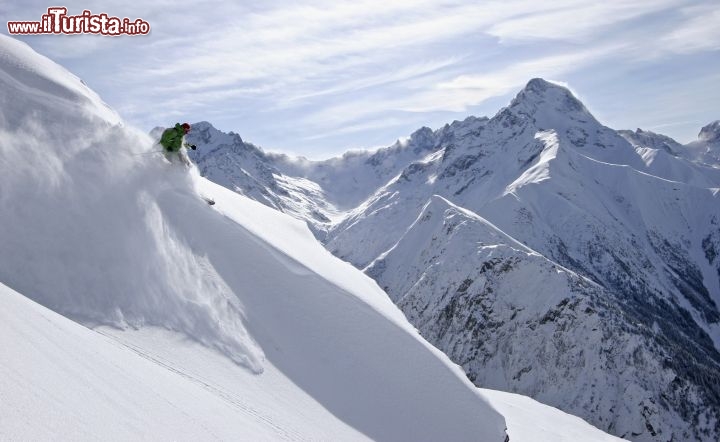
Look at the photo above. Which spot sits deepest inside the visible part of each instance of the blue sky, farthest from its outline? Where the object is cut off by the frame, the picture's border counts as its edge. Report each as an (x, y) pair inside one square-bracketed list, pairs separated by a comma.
[(316, 78)]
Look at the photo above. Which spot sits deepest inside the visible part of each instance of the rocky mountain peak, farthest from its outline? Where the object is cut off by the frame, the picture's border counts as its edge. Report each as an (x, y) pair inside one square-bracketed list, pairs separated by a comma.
[(423, 137), (646, 138), (549, 104), (206, 132), (710, 133)]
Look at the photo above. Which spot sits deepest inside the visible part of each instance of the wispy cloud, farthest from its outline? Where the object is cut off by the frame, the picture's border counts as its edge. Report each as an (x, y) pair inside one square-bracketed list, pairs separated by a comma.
[(391, 74), (700, 31), (576, 20), (323, 69), (471, 89), (459, 93)]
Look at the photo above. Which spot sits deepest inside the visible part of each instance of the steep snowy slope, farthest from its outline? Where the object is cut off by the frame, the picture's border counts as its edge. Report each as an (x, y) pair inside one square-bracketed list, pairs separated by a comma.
[(518, 321), (227, 160), (665, 157), (546, 173), (83, 230), (316, 191), (631, 227), (59, 379), (99, 229), (207, 323)]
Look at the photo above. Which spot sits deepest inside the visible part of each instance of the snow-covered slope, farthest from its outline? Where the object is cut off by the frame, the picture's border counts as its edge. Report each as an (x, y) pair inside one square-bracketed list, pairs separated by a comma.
[(200, 322), (315, 191), (60, 378), (227, 160), (665, 157), (84, 227), (95, 226), (588, 254), (518, 321), (350, 179), (650, 140), (546, 173)]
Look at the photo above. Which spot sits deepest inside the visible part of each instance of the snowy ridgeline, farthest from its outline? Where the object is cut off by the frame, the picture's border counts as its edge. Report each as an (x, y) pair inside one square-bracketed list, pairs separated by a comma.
[(205, 322), (545, 253)]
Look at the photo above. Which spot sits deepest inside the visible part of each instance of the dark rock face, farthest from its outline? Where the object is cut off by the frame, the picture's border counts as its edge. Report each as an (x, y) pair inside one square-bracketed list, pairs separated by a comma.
[(710, 133)]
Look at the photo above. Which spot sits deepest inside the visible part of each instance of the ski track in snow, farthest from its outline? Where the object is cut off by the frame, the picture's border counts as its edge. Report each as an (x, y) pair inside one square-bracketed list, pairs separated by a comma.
[(228, 397)]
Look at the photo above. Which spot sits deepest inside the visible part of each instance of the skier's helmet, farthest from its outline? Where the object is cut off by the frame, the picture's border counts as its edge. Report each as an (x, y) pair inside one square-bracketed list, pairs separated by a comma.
[(186, 127)]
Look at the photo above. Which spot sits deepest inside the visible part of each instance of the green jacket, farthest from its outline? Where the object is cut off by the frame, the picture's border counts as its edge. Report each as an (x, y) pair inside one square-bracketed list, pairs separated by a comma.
[(172, 138)]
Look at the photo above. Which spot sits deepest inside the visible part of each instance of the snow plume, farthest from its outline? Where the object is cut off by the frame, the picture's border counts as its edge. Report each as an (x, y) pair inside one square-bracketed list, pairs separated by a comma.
[(87, 215)]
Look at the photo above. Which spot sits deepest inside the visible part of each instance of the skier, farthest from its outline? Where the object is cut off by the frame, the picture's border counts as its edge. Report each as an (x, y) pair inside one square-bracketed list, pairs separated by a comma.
[(172, 141)]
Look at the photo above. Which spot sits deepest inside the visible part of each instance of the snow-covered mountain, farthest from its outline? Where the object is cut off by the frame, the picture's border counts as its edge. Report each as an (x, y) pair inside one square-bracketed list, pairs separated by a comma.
[(316, 191), (545, 253), (707, 147), (198, 322)]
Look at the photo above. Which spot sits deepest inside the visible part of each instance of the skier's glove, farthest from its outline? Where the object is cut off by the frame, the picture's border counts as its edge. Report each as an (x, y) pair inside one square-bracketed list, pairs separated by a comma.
[(193, 147)]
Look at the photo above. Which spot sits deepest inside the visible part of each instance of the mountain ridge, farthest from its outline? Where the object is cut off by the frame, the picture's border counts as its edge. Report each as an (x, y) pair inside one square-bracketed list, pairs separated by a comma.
[(633, 212), (173, 319)]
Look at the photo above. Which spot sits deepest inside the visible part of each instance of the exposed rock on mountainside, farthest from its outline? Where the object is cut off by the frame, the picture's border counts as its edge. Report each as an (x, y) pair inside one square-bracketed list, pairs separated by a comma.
[(546, 253)]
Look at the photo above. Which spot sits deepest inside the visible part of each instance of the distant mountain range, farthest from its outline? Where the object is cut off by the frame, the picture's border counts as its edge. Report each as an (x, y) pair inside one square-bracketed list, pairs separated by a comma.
[(545, 253)]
